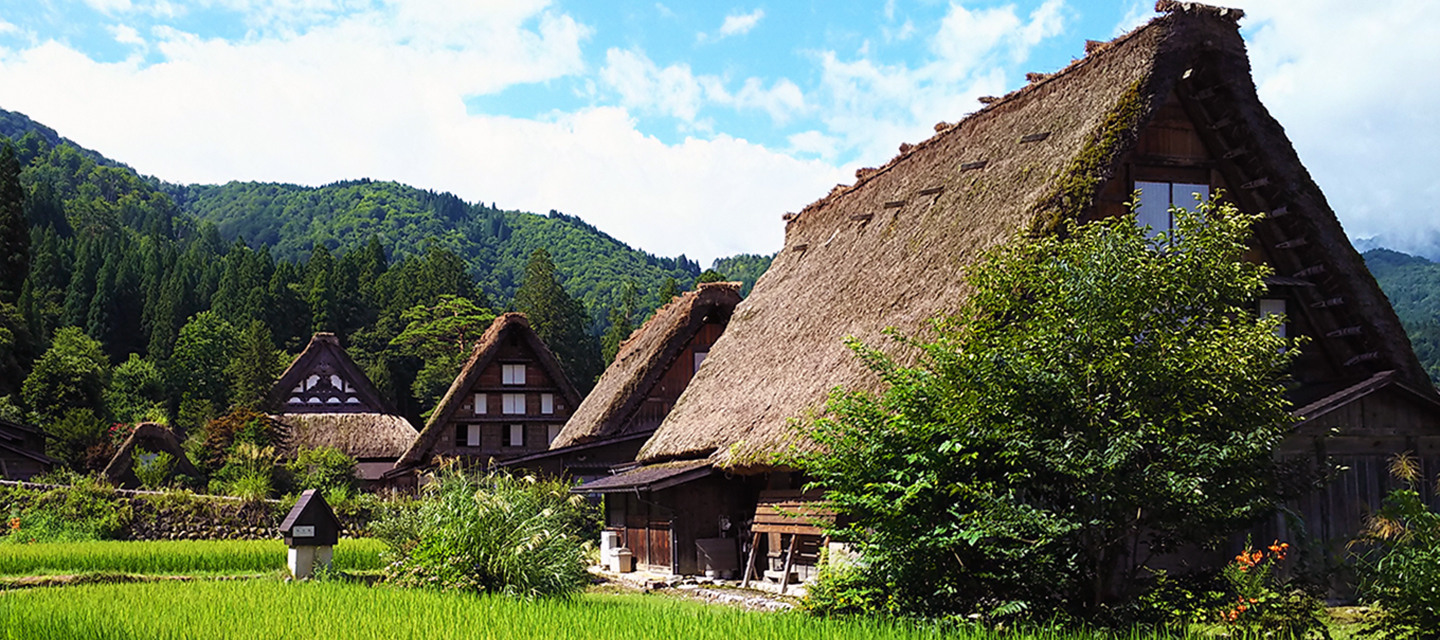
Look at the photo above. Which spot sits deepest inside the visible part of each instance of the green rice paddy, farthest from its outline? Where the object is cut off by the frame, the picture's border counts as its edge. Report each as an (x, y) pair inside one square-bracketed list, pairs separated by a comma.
[(177, 557), (274, 609)]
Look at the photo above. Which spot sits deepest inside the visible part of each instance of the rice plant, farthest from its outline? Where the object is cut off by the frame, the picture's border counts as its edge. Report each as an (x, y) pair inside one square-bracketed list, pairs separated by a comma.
[(172, 557), (271, 609)]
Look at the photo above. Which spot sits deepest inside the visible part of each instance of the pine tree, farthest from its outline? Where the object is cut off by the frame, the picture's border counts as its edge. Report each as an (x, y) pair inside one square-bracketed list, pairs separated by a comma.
[(560, 321), (14, 232), (621, 323), (254, 368)]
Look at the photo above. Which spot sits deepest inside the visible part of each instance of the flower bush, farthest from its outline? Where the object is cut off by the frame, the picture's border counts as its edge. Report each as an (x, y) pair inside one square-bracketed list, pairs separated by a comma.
[(1400, 569), (1262, 603)]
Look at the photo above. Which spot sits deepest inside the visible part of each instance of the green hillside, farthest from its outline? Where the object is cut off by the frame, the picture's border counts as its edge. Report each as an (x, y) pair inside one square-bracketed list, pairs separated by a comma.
[(1413, 285), (343, 216)]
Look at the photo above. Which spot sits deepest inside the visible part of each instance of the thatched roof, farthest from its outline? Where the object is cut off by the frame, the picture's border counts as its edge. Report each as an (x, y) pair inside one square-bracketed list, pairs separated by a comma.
[(485, 351), (363, 436), (152, 437), (643, 359), (889, 250), (322, 361)]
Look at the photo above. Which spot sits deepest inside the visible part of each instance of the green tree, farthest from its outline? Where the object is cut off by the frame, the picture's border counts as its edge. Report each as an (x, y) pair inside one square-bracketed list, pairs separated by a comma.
[(622, 323), (254, 367), (442, 335), (668, 290), (14, 232), (136, 392), (17, 348), (203, 351), (560, 321), (1099, 399), (72, 374), (710, 275)]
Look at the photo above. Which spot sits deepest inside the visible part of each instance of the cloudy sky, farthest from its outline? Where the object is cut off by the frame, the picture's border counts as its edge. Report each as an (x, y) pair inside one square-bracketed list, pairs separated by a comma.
[(677, 127)]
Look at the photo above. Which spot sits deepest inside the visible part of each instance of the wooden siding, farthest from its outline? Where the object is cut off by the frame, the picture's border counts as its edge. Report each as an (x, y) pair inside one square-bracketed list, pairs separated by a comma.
[(673, 382), (494, 423)]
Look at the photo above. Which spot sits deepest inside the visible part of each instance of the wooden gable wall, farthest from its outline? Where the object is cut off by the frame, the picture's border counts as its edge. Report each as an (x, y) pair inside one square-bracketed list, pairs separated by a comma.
[(677, 376), (494, 425)]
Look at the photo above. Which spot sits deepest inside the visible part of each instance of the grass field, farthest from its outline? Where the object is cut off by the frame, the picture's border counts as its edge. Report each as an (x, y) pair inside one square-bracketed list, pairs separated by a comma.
[(177, 557), (273, 609)]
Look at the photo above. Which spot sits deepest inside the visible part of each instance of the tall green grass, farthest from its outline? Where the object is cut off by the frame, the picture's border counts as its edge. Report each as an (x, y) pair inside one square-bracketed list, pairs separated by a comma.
[(171, 557), (271, 609)]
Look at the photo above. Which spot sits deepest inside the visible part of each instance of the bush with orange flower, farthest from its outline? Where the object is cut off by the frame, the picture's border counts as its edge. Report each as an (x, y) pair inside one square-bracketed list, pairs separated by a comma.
[(1261, 601)]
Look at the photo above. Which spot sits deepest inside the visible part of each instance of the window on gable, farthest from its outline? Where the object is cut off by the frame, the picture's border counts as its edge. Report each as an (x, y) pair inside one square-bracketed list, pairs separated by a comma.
[(552, 432), (481, 407), (1156, 198), (1274, 307), (513, 403), (547, 403), (517, 436), (512, 374)]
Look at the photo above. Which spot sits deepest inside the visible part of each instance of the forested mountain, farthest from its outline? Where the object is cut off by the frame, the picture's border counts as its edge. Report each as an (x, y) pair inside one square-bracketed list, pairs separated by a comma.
[(495, 244), (1413, 285), (123, 298)]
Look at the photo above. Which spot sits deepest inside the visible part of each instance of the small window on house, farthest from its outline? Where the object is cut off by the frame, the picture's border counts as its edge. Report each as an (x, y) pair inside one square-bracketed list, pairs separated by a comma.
[(513, 403), (512, 374), (517, 435), (459, 435), (480, 404), (472, 435), (1274, 307), (699, 358), (1156, 198), (552, 432), (547, 403)]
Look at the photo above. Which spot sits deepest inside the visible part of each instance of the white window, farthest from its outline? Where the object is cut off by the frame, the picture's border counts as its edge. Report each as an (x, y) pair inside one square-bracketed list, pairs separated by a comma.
[(699, 358), (513, 403), (472, 435), (1273, 307), (547, 403), (552, 432), (517, 435), (1156, 198), (512, 374), (480, 404)]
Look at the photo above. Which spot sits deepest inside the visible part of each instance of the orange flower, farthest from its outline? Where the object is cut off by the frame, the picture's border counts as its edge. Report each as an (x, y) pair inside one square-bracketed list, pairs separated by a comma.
[(1240, 608), (14, 524)]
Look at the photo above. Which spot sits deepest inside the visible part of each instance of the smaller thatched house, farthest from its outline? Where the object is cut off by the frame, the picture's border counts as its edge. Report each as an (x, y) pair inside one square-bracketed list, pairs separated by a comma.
[(146, 441), (22, 451), (652, 367), (326, 400), (509, 400)]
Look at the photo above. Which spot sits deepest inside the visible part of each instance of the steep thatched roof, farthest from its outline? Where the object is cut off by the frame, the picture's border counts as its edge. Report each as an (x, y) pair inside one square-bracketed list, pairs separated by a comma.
[(889, 251), (642, 360), (363, 436), (322, 359), (153, 437), (485, 351)]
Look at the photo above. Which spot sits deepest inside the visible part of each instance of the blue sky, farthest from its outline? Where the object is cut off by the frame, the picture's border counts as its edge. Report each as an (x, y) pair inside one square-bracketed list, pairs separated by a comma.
[(678, 127)]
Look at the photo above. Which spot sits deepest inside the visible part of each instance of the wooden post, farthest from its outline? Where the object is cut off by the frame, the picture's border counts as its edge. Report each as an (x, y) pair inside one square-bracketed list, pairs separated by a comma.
[(750, 565), (789, 558)]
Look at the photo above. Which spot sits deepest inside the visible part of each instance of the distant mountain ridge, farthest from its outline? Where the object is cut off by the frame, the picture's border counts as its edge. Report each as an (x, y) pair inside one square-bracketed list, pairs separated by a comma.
[(292, 219), (1412, 283)]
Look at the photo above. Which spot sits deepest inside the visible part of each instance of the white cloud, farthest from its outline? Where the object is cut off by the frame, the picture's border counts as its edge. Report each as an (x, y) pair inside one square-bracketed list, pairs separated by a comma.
[(740, 24), (125, 34), (676, 91), (380, 94), (872, 106), (6, 27), (1137, 12), (1351, 83)]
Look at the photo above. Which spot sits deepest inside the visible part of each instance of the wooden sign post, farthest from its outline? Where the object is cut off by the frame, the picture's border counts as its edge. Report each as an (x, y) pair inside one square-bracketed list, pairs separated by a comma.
[(311, 531)]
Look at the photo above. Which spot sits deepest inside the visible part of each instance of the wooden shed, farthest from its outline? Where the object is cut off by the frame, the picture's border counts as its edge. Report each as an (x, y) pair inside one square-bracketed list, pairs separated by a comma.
[(1168, 109), (22, 451)]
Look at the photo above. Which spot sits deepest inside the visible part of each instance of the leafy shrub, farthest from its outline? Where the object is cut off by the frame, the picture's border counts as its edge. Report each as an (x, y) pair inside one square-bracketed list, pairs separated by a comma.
[(153, 470), (1401, 572), (86, 510), (249, 472), (491, 533), (844, 588), (325, 468), (222, 434)]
